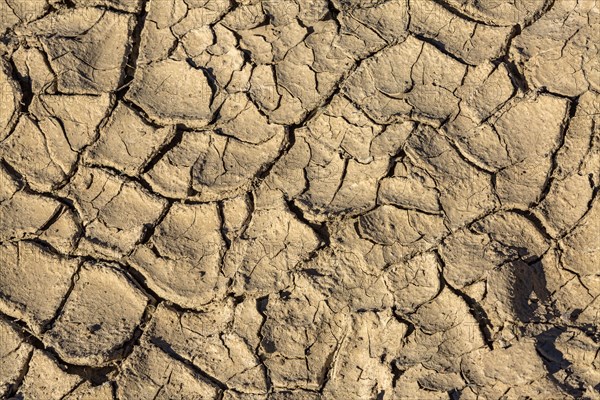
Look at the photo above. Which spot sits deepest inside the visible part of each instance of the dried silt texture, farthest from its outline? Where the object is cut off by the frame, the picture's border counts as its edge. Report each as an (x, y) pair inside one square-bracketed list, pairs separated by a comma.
[(299, 199)]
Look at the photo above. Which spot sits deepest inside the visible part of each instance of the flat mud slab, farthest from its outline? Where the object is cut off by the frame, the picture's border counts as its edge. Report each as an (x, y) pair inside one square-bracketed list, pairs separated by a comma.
[(299, 199)]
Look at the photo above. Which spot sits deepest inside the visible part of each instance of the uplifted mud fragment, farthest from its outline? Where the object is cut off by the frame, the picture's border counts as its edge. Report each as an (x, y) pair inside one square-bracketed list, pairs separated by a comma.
[(132, 6), (181, 261), (79, 115), (127, 142), (115, 212), (209, 166), (40, 153), (410, 187), (485, 90), (573, 180), (363, 367), (218, 341), (34, 283), (15, 354), (412, 77), (228, 166), (274, 242), (10, 96), (524, 168), (470, 253), (581, 247), (87, 48), (23, 215), (414, 282), (493, 12), (498, 372), (300, 338), (560, 50), (445, 331), (470, 41), (337, 160), (465, 191), (87, 391), (150, 374), (173, 92), (16, 12), (580, 351), (241, 119), (32, 69), (308, 64), (89, 316), (389, 225), (46, 379)]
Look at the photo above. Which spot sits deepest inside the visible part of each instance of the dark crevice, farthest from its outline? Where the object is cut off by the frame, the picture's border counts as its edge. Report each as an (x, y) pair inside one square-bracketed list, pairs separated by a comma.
[(25, 85), (475, 309), (13, 389), (320, 229), (461, 14), (166, 347), (564, 129), (50, 324), (441, 47), (134, 52)]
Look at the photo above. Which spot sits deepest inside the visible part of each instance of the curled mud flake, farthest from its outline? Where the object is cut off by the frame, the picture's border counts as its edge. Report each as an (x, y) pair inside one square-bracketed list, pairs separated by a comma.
[(469, 41), (272, 245), (150, 373), (105, 203), (29, 271), (47, 378), (412, 77), (181, 260), (38, 152), (300, 353), (15, 355), (79, 115), (24, 215), (173, 92), (86, 48), (19, 12), (88, 391), (559, 51), (581, 246), (127, 142), (216, 342), (10, 98), (88, 316), (493, 12), (496, 371), (362, 365), (571, 187), (132, 6)]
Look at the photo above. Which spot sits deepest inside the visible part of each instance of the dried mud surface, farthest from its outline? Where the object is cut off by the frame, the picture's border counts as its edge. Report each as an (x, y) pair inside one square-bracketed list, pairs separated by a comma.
[(299, 199)]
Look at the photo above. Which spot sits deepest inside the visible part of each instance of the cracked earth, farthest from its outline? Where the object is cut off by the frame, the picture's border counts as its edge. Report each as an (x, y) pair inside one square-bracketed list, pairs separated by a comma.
[(299, 199)]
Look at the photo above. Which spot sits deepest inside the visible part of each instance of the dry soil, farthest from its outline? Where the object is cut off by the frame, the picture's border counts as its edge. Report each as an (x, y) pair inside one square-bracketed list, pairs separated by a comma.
[(299, 199)]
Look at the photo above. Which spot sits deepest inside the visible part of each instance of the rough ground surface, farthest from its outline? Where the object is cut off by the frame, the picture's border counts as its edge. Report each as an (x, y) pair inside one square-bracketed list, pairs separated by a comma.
[(299, 199)]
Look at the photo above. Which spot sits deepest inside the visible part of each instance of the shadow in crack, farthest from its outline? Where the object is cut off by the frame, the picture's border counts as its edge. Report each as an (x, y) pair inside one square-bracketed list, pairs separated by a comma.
[(532, 304), (555, 361)]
